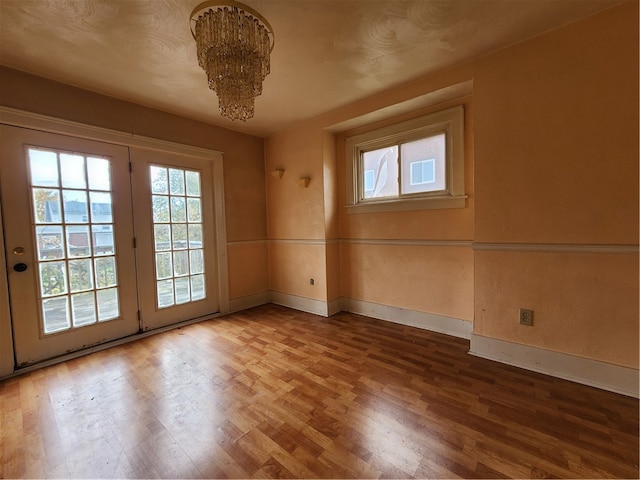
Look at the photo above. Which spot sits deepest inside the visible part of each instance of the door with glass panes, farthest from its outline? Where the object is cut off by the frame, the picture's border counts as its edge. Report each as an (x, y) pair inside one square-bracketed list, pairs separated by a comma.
[(68, 236), (95, 252), (175, 236)]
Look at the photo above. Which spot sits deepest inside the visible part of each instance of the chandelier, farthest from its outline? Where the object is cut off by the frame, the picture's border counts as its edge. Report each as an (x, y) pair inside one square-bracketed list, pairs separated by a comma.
[(233, 43)]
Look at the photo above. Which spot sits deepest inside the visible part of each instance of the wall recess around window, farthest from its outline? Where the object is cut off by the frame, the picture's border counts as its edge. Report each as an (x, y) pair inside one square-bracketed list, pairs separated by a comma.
[(413, 165)]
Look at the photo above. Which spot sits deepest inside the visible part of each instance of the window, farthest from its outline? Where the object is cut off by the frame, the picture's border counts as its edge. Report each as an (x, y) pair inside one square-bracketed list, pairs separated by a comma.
[(417, 164)]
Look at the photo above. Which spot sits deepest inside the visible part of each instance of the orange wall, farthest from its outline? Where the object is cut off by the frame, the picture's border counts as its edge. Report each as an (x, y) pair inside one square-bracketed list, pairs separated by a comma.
[(244, 179), (551, 140)]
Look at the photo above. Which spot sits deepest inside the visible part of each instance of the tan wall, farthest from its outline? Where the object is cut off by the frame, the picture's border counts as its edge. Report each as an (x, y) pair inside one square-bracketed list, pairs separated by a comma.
[(557, 163), (244, 180), (551, 134)]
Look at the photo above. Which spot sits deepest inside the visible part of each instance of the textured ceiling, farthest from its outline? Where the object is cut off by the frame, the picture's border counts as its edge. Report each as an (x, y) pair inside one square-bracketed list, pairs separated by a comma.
[(328, 53)]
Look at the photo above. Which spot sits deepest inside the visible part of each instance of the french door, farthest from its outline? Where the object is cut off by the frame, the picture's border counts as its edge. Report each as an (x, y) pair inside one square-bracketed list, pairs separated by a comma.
[(96, 253), (175, 237)]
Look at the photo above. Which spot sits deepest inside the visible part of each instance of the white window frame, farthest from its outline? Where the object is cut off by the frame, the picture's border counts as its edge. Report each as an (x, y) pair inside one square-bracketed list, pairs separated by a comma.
[(450, 122)]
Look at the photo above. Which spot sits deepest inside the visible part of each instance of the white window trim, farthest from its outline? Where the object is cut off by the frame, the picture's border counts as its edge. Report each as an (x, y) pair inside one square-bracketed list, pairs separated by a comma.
[(450, 121)]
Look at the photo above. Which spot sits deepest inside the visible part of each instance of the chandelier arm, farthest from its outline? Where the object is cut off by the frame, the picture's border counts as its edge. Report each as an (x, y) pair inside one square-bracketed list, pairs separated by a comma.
[(229, 3)]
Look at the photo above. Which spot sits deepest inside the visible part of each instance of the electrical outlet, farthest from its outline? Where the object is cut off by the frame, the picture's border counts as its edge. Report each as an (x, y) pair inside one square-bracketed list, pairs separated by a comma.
[(526, 317), (312, 281)]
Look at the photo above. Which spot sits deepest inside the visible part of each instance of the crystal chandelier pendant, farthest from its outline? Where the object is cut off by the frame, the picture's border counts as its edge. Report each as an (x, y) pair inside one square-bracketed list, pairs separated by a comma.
[(234, 44)]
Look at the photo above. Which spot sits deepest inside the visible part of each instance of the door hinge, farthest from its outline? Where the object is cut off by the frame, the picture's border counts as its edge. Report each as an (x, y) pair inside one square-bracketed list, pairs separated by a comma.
[(135, 243), (130, 167), (139, 316)]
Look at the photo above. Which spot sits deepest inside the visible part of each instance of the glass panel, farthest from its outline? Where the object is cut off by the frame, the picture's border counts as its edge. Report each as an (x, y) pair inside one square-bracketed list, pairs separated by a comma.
[(165, 293), (103, 240), (56, 314), (53, 278), (160, 209), (159, 183), (384, 165), (178, 210), (180, 263), (179, 236), (193, 183), (197, 287), (80, 275), (164, 268), (105, 272), (176, 181), (193, 210), (183, 294), (46, 205), (78, 241), (423, 165), (162, 237), (83, 309), (195, 236), (99, 174), (108, 308), (50, 242), (75, 206), (196, 261), (101, 207), (176, 200), (44, 168), (72, 169)]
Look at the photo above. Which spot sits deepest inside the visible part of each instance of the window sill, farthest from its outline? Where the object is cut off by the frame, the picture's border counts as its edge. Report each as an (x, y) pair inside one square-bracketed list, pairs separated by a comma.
[(431, 203)]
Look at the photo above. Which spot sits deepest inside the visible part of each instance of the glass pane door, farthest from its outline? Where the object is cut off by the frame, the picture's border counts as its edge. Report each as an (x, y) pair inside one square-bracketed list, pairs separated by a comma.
[(173, 197), (69, 238)]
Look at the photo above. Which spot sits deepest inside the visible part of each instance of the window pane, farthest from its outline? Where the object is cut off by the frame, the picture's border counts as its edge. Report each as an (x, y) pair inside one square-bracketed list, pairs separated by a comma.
[(107, 304), (80, 275), (56, 314), (75, 206), (178, 209), (383, 167), (165, 293), (50, 242), (72, 169), (164, 266), (78, 241), (179, 236), (193, 210), (162, 237), (101, 207), (160, 209), (53, 278), (99, 171), (44, 168), (103, 241), (176, 181), (105, 272), (195, 236), (197, 287), (159, 183), (183, 290), (193, 183), (423, 165), (46, 205), (83, 309), (180, 263)]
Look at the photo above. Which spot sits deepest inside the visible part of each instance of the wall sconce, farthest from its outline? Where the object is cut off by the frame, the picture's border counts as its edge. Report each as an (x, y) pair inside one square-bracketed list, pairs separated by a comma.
[(304, 182), (278, 174)]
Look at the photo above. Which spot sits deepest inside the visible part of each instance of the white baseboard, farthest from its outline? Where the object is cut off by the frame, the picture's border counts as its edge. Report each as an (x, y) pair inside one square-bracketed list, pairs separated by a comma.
[(309, 305), (413, 318), (606, 376), (250, 301)]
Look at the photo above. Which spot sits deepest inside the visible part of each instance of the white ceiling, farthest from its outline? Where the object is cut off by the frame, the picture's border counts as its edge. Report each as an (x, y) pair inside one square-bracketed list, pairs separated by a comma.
[(328, 53)]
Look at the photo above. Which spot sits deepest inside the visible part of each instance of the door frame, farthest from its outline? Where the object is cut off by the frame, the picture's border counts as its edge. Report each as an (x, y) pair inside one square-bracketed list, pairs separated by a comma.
[(33, 121)]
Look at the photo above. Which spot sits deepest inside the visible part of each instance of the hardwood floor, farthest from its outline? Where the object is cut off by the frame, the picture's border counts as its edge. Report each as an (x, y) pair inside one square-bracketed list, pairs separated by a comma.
[(273, 392)]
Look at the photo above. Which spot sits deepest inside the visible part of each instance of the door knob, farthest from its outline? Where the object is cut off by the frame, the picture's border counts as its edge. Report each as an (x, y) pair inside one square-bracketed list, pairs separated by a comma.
[(20, 267)]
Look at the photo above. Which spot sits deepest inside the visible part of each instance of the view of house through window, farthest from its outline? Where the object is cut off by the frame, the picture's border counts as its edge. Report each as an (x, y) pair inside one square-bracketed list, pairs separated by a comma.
[(74, 231), (177, 229), (414, 164)]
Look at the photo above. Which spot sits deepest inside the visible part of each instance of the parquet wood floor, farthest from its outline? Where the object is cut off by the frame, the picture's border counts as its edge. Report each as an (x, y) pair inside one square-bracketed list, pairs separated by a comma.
[(272, 392)]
